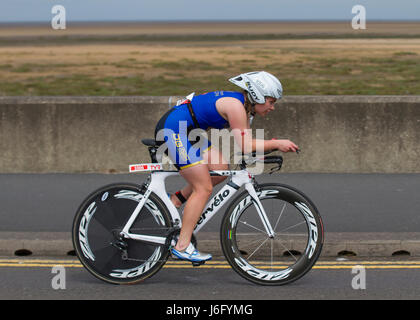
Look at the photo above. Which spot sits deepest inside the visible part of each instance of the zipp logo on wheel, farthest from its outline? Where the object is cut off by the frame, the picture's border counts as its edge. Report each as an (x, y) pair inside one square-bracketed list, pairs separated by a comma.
[(313, 227)]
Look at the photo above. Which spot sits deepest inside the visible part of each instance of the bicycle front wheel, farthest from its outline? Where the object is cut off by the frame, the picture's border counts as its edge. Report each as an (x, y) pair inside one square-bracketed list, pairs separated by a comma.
[(96, 234), (295, 247)]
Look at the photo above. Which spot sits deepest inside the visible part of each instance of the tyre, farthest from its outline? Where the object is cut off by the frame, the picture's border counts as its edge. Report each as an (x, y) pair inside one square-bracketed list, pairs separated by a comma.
[(293, 250), (96, 234)]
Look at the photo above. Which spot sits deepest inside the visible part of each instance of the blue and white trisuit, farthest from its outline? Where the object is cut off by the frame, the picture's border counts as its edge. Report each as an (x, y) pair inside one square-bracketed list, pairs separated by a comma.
[(178, 122)]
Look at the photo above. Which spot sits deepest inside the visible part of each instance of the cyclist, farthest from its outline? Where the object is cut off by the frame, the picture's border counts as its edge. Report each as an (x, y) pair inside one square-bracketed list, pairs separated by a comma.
[(217, 110)]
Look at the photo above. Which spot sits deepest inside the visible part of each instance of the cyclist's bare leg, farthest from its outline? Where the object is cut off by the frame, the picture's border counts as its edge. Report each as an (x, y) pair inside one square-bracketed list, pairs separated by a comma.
[(215, 160), (199, 180)]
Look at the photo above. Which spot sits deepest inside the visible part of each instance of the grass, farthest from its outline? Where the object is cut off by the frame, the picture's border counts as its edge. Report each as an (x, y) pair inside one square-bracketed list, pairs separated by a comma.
[(375, 78), (96, 39), (169, 69), (405, 53), (183, 64)]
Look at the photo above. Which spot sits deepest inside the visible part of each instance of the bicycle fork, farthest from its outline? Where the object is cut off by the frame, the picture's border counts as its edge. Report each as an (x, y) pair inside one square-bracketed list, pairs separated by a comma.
[(247, 179), (260, 209)]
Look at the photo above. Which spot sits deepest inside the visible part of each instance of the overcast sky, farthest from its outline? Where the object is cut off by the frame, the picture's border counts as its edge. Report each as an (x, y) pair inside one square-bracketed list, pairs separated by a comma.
[(141, 10)]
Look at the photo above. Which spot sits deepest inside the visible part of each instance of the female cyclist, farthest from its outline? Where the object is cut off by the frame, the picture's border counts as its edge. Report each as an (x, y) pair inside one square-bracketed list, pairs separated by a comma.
[(219, 109)]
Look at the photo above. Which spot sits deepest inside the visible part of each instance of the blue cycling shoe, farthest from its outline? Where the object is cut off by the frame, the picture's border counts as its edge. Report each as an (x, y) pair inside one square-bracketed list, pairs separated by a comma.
[(191, 254)]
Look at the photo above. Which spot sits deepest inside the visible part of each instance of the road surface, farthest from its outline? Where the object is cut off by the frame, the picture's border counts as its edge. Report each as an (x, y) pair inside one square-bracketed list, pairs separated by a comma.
[(329, 279), (347, 202)]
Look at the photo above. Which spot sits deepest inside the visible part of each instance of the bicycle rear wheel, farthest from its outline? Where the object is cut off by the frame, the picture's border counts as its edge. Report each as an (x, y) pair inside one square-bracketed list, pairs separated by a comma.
[(96, 234), (292, 251)]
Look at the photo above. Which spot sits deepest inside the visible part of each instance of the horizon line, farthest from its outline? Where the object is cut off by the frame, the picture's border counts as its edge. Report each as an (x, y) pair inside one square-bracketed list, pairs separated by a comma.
[(33, 22)]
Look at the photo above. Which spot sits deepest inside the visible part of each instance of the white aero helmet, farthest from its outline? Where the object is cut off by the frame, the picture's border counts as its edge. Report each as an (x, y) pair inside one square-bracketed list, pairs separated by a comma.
[(259, 84)]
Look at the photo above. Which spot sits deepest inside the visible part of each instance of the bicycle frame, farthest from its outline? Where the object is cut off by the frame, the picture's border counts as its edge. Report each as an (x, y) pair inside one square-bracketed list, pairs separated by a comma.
[(156, 185)]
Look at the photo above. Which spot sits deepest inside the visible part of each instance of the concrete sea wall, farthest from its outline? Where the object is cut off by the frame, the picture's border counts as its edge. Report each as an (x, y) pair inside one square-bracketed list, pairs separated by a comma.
[(345, 134)]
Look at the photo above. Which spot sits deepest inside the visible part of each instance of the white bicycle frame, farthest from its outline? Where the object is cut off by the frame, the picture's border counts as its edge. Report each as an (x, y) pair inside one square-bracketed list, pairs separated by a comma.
[(157, 185)]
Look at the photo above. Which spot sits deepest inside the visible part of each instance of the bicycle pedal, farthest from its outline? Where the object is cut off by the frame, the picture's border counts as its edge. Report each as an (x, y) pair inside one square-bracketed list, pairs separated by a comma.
[(197, 264)]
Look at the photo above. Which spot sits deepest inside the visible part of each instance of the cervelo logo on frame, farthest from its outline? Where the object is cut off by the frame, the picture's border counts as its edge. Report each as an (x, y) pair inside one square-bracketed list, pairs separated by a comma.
[(145, 167), (217, 200)]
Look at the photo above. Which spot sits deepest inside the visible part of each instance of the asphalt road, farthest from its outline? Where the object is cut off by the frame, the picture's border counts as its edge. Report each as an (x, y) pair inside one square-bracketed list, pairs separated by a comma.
[(385, 279), (347, 202)]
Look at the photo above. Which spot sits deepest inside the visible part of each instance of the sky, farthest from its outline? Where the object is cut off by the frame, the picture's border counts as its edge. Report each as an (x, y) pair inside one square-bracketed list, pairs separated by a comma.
[(179, 10)]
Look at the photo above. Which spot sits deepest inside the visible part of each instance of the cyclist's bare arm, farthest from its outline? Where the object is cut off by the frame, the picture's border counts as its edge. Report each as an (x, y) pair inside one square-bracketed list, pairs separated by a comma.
[(233, 111)]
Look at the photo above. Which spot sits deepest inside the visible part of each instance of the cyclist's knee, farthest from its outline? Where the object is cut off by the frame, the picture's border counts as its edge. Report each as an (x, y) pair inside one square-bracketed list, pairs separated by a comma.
[(204, 189)]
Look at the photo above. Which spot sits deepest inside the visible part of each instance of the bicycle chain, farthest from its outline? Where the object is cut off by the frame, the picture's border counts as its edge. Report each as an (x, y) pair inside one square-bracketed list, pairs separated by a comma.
[(169, 237)]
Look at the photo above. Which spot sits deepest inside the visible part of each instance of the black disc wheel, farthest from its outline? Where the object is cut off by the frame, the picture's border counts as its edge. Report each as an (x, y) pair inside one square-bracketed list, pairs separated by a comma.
[(98, 243)]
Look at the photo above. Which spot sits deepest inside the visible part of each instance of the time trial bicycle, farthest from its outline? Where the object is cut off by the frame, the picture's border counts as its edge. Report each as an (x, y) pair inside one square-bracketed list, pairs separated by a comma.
[(271, 233)]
